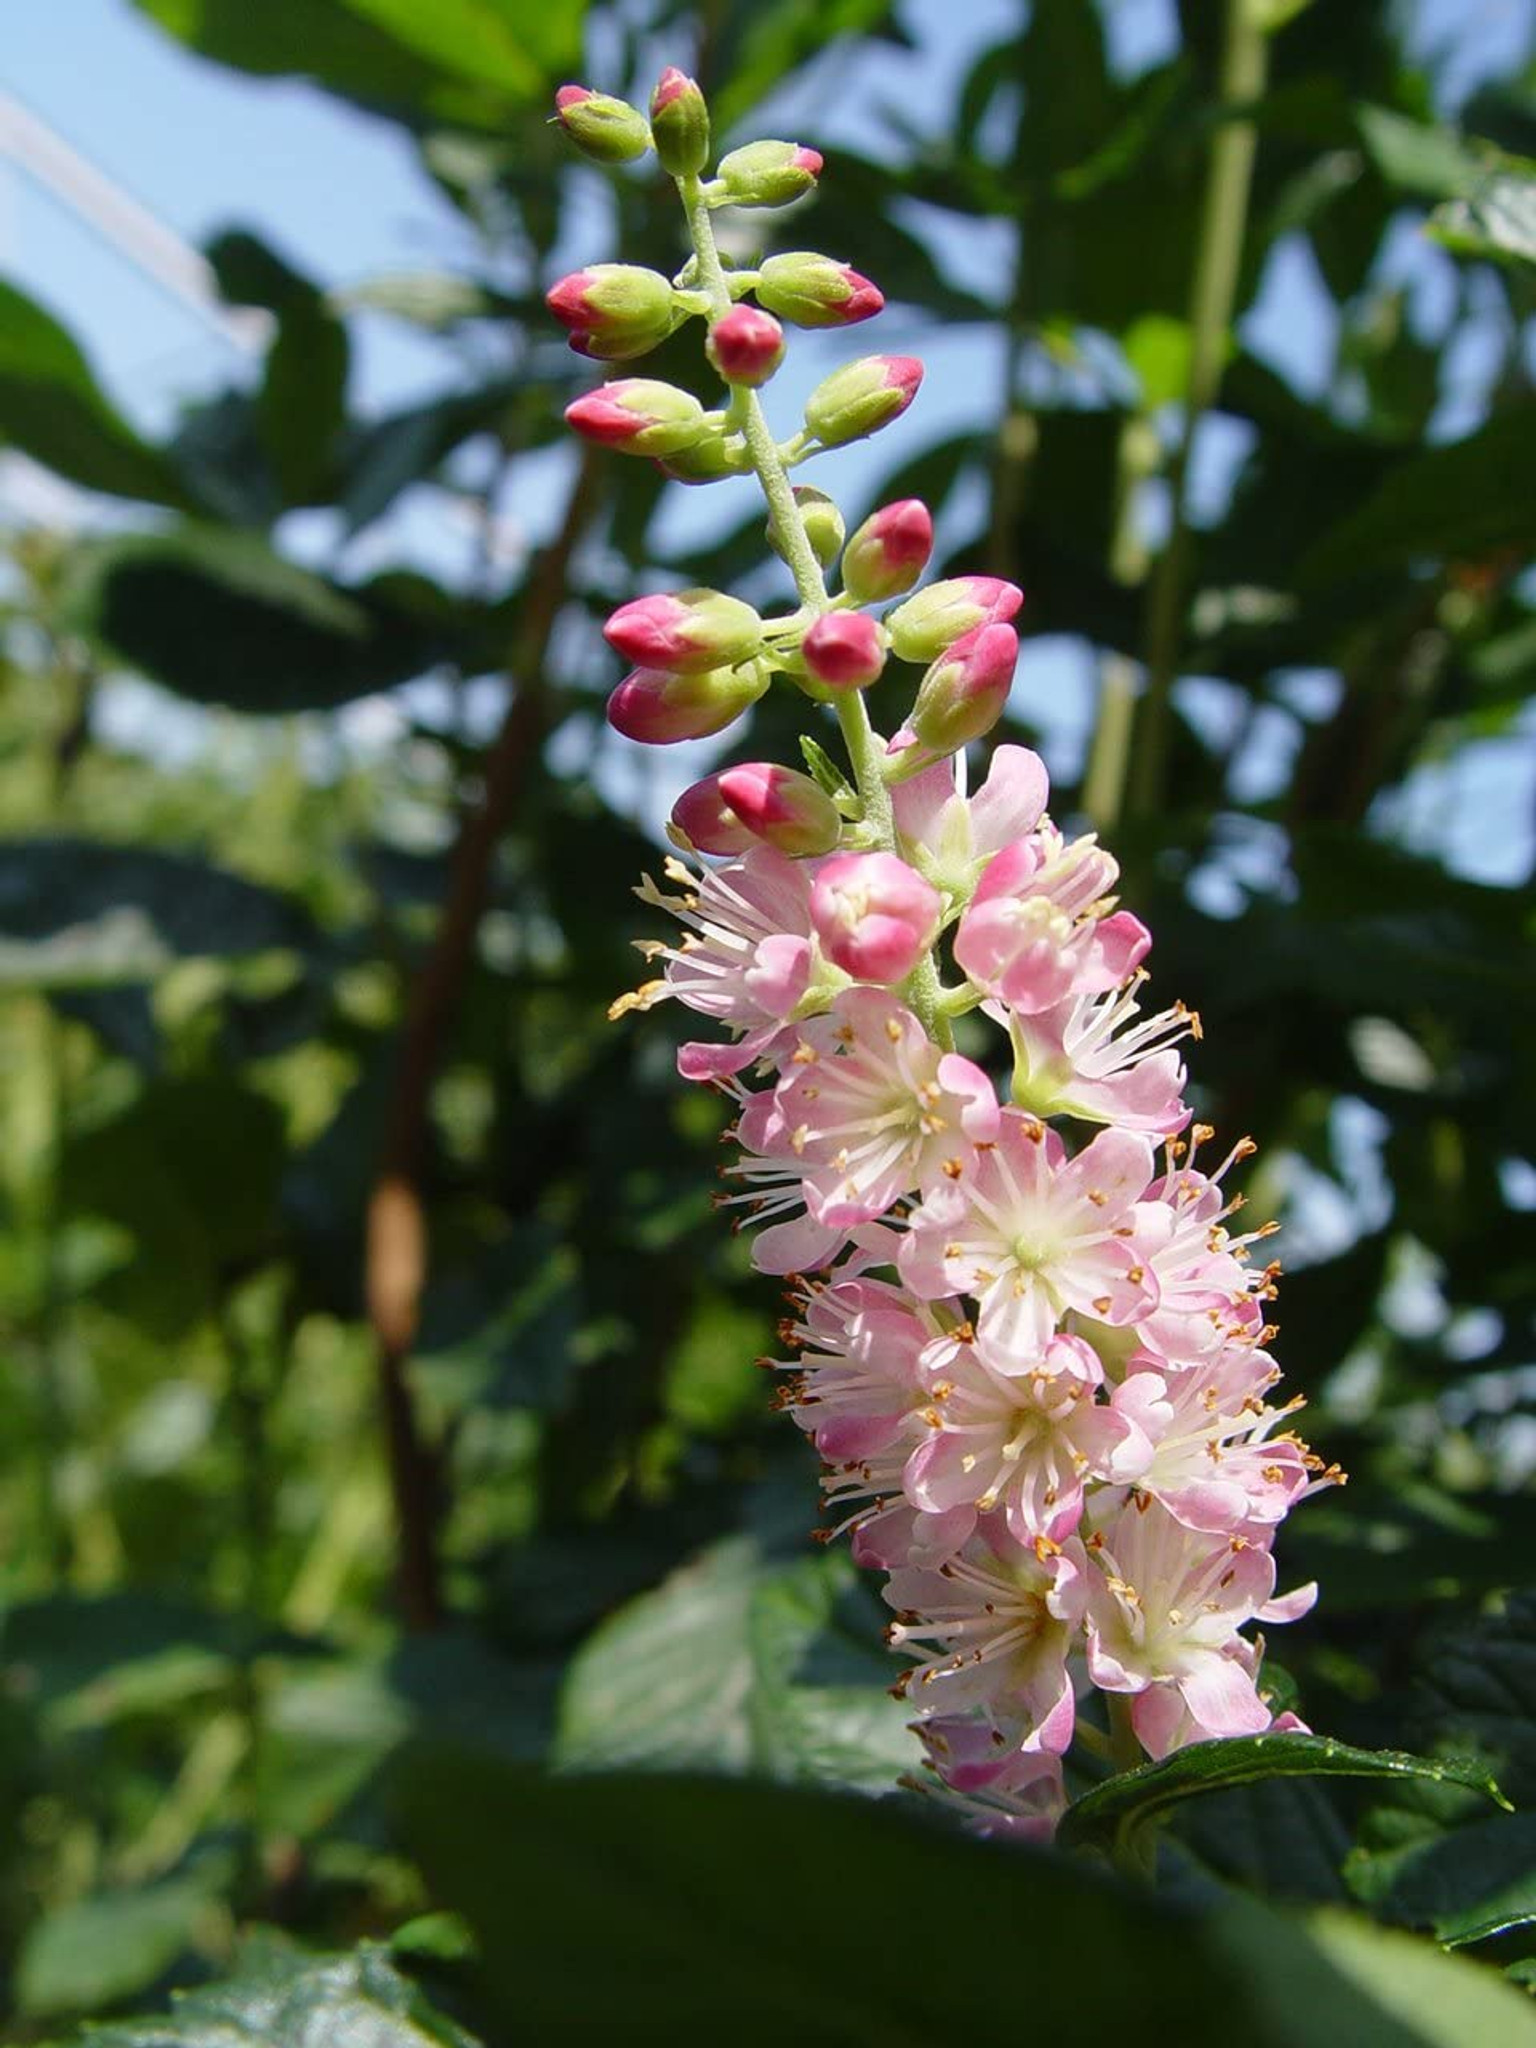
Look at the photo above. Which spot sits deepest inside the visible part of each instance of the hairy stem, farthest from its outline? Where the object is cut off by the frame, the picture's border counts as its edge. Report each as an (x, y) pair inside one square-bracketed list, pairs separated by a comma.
[(865, 753)]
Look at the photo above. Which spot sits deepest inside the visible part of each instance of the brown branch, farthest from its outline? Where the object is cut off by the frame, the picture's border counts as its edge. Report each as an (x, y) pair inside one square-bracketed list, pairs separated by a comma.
[(396, 1241)]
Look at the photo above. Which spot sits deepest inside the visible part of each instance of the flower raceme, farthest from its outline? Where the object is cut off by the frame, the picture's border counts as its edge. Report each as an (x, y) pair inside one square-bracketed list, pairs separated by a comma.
[(1027, 1345)]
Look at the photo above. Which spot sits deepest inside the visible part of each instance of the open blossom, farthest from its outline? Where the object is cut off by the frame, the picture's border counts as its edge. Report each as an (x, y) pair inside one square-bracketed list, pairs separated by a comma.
[(1032, 1357), (1032, 1234), (1164, 1607)]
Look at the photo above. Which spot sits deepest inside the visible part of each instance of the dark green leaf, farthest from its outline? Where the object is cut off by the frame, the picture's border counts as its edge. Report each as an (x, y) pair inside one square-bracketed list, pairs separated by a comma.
[(1140, 1798), (220, 618), (1430, 162), (795, 1914), (75, 913), (282, 1997), (52, 408), (1479, 1691)]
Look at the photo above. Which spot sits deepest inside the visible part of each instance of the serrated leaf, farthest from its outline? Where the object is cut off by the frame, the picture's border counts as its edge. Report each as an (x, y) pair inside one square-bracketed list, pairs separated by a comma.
[(280, 1996), (1137, 1799)]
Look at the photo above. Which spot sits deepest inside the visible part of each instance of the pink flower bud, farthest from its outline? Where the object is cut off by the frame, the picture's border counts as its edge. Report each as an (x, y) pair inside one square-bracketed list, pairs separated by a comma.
[(609, 131), (889, 552), (963, 694), (862, 397), (844, 650), (746, 346), (614, 310), (679, 124), (926, 624), (875, 916), (768, 173), (783, 807), (815, 291), (685, 632), (703, 820), (660, 707), (639, 416)]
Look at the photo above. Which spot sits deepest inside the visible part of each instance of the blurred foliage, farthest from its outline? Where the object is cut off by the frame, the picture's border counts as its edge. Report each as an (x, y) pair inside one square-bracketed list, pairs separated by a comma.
[(263, 978)]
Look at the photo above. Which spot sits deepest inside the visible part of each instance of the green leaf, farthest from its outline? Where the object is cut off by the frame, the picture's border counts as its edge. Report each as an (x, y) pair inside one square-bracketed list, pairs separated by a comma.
[(420, 64), (386, 456), (775, 38), (1433, 163), (52, 408), (1496, 220), (1138, 1799), (1438, 1999), (107, 1948), (303, 402), (219, 617), (707, 1670), (1462, 500), (1468, 1884), (281, 1997), (76, 913), (813, 1919), (1479, 1691)]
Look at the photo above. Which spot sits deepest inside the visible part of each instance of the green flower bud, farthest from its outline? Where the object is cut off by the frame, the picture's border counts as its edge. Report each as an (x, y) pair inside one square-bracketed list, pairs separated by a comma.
[(824, 527), (767, 173), (679, 124), (607, 130), (861, 397)]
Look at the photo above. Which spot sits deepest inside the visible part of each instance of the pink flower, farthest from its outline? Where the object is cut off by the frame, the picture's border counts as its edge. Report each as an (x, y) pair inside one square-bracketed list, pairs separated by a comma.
[(948, 837), (785, 809), (859, 1380), (1031, 1234), (870, 1107), (997, 1620), (1025, 1440), (875, 916), (999, 1790), (1165, 1604), (1085, 1057), (1035, 931), (688, 632), (747, 960)]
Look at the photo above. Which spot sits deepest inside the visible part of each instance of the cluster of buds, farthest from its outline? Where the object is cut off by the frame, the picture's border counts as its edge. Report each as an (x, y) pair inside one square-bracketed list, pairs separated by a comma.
[(1029, 1343)]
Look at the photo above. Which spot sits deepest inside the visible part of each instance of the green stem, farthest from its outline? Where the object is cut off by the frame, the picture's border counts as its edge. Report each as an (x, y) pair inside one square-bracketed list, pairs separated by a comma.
[(1244, 66), (865, 754)]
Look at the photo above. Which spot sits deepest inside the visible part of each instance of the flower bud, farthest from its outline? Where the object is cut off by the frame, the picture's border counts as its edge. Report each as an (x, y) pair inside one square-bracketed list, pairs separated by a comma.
[(815, 291), (768, 173), (745, 346), (615, 310), (679, 124), (875, 916), (889, 552), (844, 650), (639, 416), (782, 806), (862, 397), (607, 130), (963, 694), (685, 632), (658, 707), (716, 453), (703, 822), (925, 625), (823, 522)]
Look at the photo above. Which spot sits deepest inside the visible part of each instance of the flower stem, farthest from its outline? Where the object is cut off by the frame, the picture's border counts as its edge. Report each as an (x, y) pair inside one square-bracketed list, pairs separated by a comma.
[(865, 753), (1244, 67)]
